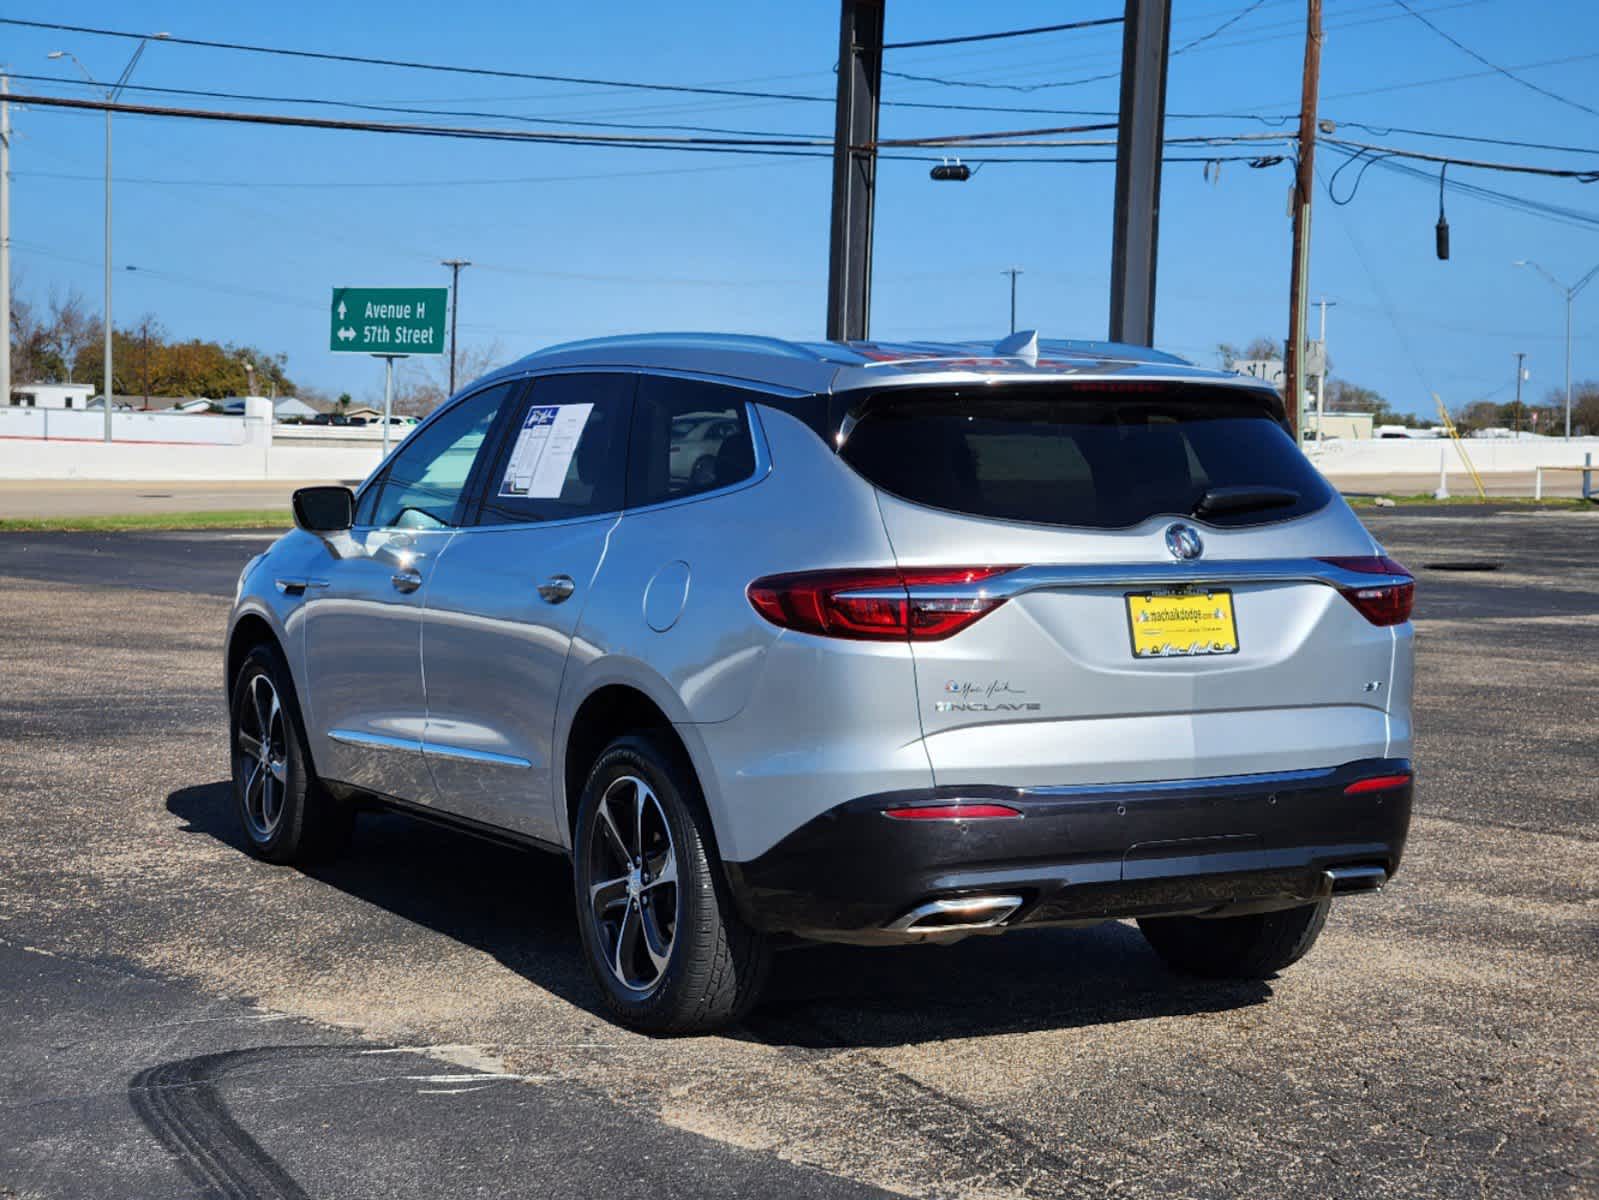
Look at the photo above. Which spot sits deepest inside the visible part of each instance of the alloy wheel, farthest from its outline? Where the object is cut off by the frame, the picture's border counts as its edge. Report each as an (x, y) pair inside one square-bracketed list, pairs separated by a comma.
[(261, 757), (633, 896)]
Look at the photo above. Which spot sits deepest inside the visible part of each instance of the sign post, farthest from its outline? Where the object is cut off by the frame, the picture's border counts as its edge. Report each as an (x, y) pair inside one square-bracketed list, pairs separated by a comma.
[(387, 323)]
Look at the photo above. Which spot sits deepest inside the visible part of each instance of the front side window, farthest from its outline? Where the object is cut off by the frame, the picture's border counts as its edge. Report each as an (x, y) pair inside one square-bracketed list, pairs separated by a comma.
[(688, 437), (424, 483), (565, 453)]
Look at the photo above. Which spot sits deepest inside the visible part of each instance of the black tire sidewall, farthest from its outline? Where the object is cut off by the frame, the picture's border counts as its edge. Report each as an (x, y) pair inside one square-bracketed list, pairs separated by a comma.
[(698, 909)]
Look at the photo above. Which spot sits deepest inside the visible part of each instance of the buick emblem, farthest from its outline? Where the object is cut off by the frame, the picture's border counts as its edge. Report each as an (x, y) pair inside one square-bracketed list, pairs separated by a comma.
[(1183, 541)]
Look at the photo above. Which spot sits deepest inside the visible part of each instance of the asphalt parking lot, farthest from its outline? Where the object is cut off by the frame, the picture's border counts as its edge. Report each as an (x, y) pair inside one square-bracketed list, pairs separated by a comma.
[(179, 1019)]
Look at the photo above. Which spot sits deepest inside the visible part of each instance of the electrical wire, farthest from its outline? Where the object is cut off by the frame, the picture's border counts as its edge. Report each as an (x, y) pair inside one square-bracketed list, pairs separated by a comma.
[(1009, 33), (1222, 28), (1505, 71)]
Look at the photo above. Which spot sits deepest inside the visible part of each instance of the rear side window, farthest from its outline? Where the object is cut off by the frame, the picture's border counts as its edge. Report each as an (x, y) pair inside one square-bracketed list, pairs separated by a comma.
[(688, 437), (1085, 456)]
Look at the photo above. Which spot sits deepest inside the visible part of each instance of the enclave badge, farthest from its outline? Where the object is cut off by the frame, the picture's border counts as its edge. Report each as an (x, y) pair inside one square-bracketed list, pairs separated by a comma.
[(1183, 541)]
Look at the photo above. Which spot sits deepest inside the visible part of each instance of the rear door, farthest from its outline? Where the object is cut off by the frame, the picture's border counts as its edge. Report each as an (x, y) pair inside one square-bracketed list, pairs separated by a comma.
[(1116, 659), (506, 596)]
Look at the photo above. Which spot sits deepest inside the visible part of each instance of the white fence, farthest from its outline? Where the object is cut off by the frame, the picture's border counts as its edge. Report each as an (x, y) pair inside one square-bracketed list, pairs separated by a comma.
[(54, 444), (1404, 456)]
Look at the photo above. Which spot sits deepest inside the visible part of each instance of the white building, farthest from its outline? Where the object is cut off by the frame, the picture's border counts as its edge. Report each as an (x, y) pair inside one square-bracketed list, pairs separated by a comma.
[(52, 395)]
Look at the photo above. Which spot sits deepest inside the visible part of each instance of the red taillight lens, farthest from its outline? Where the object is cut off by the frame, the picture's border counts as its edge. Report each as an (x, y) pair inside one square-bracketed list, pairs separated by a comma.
[(877, 604), (1388, 604), (959, 811), (1377, 783)]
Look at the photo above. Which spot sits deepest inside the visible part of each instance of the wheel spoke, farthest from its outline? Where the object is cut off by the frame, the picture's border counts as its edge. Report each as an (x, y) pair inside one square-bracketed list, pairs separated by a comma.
[(261, 726), (607, 894), (657, 946), (280, 769), (664, 870), (271, 800), (613, 835), (252, 785), (641, 796), (251, 746), (626, 942)]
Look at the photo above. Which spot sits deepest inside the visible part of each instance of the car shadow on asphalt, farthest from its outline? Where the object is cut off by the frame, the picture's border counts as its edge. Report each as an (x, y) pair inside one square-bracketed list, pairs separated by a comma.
[(517, 907)]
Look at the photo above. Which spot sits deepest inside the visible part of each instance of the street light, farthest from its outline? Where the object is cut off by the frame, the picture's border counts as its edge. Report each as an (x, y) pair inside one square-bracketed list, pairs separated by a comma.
[(111, 93), (1570, 294)]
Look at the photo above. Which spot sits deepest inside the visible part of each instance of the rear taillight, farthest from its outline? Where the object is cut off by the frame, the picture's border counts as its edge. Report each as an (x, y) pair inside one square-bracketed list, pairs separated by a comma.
[(877, 604), (1381, 604)]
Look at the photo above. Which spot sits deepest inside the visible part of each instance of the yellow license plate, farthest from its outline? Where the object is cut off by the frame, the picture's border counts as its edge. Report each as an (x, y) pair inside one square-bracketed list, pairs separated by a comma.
[(1180, 624)]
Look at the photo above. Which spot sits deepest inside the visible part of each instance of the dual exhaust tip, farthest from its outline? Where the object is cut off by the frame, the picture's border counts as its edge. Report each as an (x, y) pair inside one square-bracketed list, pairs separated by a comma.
[(963, 914)]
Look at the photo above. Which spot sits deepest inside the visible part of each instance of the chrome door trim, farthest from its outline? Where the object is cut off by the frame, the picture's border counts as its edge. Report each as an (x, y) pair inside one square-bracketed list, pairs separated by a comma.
[(477, 756), (1220, 572), (377, 741)]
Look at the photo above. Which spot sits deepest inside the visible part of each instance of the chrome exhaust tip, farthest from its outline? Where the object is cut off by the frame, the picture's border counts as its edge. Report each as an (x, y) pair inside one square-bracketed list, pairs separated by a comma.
[(1348, 880), (957, 914)]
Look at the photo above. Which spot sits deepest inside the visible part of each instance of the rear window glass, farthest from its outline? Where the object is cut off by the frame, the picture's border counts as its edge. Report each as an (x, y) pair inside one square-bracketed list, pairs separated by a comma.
[(1084, 456)]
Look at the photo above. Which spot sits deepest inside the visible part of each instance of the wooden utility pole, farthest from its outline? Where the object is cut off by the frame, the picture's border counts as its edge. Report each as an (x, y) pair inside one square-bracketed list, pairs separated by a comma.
[(860, 80), (1304, 188)]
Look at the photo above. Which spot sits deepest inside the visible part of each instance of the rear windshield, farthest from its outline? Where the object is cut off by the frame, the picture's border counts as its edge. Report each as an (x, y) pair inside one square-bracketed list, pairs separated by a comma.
[(1077, 455)]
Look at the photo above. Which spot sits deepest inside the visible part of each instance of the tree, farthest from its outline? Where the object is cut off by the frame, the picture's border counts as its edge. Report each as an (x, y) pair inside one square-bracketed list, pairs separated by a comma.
[(69, 330), (1260, 348), (1584, 409), (419, 388)]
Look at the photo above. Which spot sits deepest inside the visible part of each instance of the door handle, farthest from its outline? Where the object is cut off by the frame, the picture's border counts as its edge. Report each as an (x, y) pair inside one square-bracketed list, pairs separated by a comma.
[(406, 581), (557, 588)]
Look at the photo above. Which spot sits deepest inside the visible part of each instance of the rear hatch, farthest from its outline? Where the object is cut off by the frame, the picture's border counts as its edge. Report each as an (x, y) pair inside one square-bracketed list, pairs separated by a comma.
[(1140, 580)]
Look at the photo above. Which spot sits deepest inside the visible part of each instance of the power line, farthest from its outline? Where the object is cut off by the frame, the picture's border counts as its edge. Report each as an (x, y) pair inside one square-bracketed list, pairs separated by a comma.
[(1505, 71), (1223, 27), (1008, 33)]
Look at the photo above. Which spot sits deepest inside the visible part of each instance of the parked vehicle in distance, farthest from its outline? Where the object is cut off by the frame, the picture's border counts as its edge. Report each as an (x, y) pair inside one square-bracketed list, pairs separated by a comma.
[(949, 640)]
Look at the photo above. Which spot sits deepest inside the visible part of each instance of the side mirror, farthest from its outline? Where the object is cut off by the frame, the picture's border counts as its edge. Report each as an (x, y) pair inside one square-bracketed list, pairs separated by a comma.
[(324, 509)]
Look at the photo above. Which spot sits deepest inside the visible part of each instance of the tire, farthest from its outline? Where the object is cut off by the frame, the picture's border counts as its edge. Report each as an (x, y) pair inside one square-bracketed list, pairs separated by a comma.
[(1248, 947), (286, 814), (669, 955)]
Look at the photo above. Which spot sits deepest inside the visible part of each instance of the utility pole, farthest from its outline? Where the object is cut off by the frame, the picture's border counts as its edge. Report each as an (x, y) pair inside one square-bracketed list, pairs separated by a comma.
[(5, 239), (849, 261), (1570, 293), (1140, 144), (1519, 357), (1321, 378), (455, 265), (1304, 188), (1012, 272)]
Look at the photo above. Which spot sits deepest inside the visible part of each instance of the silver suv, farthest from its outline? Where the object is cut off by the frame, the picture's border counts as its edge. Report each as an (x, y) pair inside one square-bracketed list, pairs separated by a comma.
[(928, 640)]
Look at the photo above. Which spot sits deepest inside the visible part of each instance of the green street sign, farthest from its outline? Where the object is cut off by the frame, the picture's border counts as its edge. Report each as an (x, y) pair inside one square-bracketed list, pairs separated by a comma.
[(388, 320)]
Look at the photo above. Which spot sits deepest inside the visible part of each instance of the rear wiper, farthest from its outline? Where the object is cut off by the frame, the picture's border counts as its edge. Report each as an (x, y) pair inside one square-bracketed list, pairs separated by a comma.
[(1245, 498)]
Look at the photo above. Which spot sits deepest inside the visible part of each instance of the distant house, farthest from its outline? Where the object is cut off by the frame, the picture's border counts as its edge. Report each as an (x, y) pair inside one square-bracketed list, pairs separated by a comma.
[(365, 411), (52, 395), (287, 406)]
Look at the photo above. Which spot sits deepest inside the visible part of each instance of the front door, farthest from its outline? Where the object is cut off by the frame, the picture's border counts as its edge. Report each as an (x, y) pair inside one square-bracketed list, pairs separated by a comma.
[(363, 629), (506, 596)]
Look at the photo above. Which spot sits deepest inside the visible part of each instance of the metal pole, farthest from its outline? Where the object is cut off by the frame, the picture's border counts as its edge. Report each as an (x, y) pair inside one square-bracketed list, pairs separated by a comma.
[(860, 74), (1571, 295), (1321, 378), (455, 265), (109, 95), (1012, 272), (5, 240), (1519, 357), (1140, 142), (388, 398), (1304, 188)]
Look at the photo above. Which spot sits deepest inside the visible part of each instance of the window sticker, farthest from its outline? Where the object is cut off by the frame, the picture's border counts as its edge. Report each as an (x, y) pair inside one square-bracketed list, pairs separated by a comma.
[(544, 448)]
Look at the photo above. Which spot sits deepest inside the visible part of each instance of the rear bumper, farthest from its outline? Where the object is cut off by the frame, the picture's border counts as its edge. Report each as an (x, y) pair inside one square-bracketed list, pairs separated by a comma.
[(1244, 843)]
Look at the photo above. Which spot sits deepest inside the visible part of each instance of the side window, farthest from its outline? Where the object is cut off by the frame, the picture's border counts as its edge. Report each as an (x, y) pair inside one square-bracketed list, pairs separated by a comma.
[(565, 454), (688, 437), (426, 478)]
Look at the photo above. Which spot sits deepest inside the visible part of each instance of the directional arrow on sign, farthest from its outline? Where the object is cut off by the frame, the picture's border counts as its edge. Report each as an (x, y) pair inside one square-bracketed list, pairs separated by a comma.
[(341, 310), (346, 333)]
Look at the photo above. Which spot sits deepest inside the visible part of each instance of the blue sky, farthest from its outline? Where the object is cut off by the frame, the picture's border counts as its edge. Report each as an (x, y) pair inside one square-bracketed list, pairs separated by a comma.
[(238, 233)]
